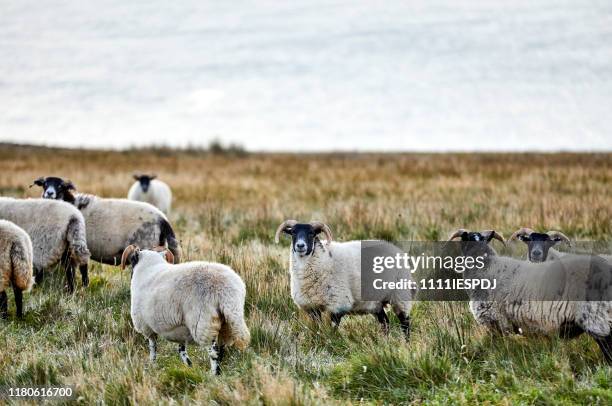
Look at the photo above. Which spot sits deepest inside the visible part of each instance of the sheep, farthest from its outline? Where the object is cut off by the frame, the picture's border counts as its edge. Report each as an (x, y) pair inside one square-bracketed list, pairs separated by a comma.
[(192, 302), (582, 283), (325, 276), (539, 245), (58, 234), (16, 265), (151, 190), (113, 224)]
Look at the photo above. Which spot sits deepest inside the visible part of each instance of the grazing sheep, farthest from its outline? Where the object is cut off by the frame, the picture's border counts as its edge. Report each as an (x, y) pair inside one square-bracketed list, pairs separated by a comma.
[(58, 234), (113, 224), (583, 284), (539, 245), (192, 302), (16, 262), (151, 190), (326, 276)]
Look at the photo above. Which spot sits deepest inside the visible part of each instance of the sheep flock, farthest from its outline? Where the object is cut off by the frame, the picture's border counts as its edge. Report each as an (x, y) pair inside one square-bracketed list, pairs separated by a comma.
[(203, 303)]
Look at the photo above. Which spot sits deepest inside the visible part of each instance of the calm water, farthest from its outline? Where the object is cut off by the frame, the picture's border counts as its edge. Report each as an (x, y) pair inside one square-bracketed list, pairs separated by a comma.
[(308, 75)]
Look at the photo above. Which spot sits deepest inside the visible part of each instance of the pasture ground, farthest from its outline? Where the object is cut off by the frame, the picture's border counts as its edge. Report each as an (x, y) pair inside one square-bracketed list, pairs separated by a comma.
[(227, 206)]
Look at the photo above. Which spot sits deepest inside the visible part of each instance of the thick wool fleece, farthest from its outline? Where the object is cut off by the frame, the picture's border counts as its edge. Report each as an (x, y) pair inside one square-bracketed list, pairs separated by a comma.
[(330, 280), (113, 224), (190, 302), (55, 228), (16, 257)]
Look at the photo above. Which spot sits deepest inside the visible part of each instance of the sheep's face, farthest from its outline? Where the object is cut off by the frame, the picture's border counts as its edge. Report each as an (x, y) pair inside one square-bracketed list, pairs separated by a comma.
[(538, 245), (302, 238), (145, 181), (54, 188), (475, 243)]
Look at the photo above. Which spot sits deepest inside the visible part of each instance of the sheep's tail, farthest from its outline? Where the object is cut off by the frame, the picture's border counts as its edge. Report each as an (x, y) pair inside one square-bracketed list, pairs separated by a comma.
[(234, 330), (166, 235), (77, 240), (21, 263)]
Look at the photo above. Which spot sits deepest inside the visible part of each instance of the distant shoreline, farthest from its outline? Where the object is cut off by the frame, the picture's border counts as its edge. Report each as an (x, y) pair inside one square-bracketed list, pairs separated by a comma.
[(238, 150)]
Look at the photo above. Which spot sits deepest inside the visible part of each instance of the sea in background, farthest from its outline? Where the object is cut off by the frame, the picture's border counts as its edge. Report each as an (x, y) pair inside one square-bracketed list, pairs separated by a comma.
[(308, 75)]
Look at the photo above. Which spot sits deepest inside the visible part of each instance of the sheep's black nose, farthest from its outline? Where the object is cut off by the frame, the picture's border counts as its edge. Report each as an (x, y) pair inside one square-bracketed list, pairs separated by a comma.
[(300, 245)]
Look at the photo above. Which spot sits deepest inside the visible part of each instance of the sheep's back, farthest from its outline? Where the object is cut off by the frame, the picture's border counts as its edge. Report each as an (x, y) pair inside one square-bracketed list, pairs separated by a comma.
[(174, 296), (45, 221), (113, 224)]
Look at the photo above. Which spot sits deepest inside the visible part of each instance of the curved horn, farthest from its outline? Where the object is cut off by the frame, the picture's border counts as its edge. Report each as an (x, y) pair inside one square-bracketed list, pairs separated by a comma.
[(69, 185), (38, 182), (520, 233), (494, 234), (324, 228), (126, 254), (284, 224), (558, 234), (167, 253), (457, 233)]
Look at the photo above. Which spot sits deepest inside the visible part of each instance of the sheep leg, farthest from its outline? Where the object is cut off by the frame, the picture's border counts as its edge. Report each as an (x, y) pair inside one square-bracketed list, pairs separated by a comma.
[(152, 349), (18, 301), (404, 323), (215, 354), (3, 305), (84, 275), (383, 319), (70, 278), (39, 275), (605, 344), (570, 330), (315, 315), (335, 319), (183, 354)]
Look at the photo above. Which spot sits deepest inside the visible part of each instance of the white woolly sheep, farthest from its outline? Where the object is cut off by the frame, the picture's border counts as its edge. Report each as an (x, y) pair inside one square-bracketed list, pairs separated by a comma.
[(151, 190), (16, 263), (113, 224), (566, 297), (192, 302), (57, 231), (326, 276)]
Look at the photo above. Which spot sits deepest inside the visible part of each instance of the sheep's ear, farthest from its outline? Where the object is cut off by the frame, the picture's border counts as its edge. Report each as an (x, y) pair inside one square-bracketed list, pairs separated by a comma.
[(153, 176), (524, 238), (136, 176), (39, 182)]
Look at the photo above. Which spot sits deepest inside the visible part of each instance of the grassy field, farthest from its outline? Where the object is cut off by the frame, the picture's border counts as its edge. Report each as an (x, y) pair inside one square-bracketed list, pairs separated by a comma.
[(227, 207)]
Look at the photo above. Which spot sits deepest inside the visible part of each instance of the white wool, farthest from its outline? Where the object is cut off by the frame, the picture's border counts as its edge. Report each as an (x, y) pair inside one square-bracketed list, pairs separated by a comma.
[(193, 302), (330, 280), (158, 194), (54, 227)]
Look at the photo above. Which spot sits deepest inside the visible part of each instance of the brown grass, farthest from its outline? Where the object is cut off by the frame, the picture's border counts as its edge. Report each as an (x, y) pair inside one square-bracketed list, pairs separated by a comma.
[(226, 209)]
